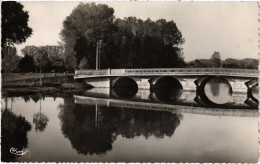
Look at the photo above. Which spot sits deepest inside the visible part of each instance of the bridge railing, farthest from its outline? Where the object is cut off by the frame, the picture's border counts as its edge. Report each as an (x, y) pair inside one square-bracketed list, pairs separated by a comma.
[(92, 72), (190, 71), (196, 71)]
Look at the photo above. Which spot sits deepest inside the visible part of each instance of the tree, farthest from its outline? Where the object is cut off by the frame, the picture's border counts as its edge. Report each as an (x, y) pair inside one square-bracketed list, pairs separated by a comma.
[(26, 64), (10, 59), (15, 28), (144, 44), (83, 63), (40, 57), (92, 130), (126, 43), (40, 120), (249, 63), (14, 131), (87, 24), (215, 60)]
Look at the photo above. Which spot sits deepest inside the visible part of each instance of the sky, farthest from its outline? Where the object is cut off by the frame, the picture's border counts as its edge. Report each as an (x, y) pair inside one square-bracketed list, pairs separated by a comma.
[(230, 28)]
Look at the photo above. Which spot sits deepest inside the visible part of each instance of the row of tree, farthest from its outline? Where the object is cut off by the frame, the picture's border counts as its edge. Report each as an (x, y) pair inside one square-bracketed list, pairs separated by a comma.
[(216, 62), (48, 58), (126, 43), (35, 59)]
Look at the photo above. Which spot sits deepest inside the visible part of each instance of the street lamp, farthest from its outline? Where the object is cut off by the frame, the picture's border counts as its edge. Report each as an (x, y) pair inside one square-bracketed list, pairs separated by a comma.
[(99, 44)]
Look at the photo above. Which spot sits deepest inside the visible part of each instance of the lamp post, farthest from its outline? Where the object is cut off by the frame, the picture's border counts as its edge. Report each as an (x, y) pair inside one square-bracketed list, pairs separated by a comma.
[(99, 44), (97, 56)]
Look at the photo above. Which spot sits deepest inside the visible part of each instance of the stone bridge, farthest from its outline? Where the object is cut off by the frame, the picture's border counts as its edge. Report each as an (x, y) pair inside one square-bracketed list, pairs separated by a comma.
[(240, 80)]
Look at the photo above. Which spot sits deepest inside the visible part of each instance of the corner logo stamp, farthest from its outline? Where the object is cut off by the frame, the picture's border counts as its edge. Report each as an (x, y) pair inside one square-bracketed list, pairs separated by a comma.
[(17, 152)]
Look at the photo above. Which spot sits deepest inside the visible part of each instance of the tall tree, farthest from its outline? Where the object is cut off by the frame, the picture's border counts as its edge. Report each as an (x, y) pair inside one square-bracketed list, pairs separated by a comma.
[(10, 59), (26, 64), (216, 60), (144, 44), (15, 28), (43, 56), (87, 24)]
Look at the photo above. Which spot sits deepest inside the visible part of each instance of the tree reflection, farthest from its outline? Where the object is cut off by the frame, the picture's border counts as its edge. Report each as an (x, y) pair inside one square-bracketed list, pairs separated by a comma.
[(214, 85), (26, 98), (14, 134), (93, 130), (35, 98), (40, 120)]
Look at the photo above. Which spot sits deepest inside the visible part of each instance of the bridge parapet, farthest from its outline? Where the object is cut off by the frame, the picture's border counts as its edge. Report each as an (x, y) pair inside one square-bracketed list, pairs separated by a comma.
[(167, 71)]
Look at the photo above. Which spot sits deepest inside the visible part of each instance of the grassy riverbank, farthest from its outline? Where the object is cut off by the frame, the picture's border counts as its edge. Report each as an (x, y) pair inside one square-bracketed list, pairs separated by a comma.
[(43, 88), (21, 84)]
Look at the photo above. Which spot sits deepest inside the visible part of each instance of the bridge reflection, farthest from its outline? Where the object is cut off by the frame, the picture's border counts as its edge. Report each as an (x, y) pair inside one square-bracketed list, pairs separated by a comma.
[(199, 98)]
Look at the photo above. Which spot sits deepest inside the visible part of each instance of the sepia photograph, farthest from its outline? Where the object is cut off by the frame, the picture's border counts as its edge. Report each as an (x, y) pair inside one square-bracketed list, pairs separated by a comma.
[(129, 81)]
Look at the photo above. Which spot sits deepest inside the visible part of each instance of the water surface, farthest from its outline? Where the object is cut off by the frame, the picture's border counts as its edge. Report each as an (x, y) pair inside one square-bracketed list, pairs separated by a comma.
[(56, 128)]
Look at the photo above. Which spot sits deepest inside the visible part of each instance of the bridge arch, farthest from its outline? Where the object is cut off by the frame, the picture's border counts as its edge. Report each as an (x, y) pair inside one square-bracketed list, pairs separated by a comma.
[(214, 96), (124, 87), (205, 80), (165, 82), (253, 92), (251, 83), (120, 82)]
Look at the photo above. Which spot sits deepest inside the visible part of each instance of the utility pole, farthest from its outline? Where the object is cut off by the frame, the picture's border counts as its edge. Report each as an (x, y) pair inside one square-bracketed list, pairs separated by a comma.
[(40, 73), (99, 53), (99, 44), (97, 56)]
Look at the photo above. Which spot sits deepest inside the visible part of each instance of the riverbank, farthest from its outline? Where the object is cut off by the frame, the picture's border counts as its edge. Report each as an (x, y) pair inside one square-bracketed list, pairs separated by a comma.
[(26, 89), (33, 83)]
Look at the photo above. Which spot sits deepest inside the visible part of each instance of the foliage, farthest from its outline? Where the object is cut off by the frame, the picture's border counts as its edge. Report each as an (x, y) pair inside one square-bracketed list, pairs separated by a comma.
[(44, 56), (41, 58), (87, 24), (40, 120), (246, 63), (14, 131), (10, 59), (15, 29), (83, 63), (127, 43), (215, 60), (144, 44), (92, 131), (26, 64)]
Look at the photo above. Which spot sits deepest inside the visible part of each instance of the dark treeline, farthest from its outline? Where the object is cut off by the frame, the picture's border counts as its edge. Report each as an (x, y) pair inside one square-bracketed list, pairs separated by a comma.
[(35, 59), (124, 43), (247, 63)]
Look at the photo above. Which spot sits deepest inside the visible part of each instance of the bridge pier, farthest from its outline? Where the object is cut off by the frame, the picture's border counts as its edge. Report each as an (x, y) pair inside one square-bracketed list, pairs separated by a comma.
[(103, 82), (142, 83), (188, 84), (238, 85)]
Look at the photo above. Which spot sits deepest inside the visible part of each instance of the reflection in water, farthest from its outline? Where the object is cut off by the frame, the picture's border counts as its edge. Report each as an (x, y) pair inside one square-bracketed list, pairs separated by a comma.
[(218, 91), (93, 129), (122, 92), (255, 92), (172, 96), (168, 95), (40, 119), (14, 134), (130, 130), (124, 87)]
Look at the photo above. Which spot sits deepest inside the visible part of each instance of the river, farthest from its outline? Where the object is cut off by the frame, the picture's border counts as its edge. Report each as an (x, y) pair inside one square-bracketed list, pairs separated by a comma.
[(125, 125)]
